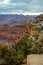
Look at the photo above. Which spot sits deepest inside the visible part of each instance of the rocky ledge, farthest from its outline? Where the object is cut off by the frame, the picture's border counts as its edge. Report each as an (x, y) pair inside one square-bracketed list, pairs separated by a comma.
[(35, 59)]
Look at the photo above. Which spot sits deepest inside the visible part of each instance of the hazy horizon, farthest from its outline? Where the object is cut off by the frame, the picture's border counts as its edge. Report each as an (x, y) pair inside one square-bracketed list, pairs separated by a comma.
[(21, 13)]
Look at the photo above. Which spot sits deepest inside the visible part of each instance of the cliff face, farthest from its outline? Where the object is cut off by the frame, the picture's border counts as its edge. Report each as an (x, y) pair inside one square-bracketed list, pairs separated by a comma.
[(34, 31), (11, 33), (35, 26)]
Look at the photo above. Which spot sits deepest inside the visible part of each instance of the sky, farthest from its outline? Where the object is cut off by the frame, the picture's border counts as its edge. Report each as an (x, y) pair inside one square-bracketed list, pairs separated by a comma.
[(21, 7)]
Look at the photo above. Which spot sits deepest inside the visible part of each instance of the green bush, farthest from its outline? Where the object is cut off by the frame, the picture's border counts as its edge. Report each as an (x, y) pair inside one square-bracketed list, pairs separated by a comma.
[(11, 56), (23, 45)]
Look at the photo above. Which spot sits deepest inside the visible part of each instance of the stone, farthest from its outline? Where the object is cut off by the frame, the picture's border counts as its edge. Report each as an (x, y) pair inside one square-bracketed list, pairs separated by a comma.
[(35, 59)]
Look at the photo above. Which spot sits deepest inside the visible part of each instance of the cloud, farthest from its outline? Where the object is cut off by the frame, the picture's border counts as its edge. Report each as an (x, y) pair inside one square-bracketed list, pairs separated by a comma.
[(21, 6)]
